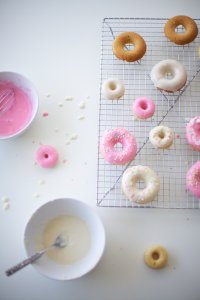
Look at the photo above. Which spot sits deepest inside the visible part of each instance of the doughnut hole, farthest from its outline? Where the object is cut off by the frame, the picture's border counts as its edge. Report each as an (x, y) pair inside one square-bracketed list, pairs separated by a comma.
[(112, 85), (161, 135), (180, 29), (143, 105), (155, 255), (129, 47), (197, 177), (196, 127), (140, 183), (46, 155), (169, 74), (118, 147)]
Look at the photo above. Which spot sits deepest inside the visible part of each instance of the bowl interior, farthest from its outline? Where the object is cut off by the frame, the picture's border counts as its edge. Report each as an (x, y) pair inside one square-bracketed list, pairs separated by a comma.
[(51, 210), (27, 86)]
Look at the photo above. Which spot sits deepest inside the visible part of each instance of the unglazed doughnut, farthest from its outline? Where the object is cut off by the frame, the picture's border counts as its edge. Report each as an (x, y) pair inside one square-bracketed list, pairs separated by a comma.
[(135, 174), (161, 137), (143, 108), (193, 133), (193, 179), (133, 38), (113, 89), (46, 156), (110, 139), (178, 75), (156, 257), (186, 37)]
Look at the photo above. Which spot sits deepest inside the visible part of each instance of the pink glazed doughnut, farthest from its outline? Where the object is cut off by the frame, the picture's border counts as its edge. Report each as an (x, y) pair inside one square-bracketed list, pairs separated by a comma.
[(193, 133), (47, 156), (193, 179), (126, 139), (143, 108)]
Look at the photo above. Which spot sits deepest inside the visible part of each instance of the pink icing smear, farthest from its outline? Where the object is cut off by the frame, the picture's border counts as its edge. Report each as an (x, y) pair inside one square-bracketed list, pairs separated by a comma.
[(16, 118)]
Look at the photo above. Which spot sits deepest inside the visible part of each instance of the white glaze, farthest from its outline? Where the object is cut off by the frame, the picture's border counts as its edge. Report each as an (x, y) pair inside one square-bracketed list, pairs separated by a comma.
[(113, 89)]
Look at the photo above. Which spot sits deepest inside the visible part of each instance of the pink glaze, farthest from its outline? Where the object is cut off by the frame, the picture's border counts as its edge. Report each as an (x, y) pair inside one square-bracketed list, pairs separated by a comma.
[(193, 133), (193, 179), (143, 108), (47, 156), (113, 137), (16, 118)]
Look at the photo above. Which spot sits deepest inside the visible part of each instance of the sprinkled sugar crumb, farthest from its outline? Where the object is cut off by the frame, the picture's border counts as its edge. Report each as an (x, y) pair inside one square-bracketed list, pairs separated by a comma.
[(69, 98), (41, 181), (36, 195), (60, 104), (67, 142), (81, 117), (74, 136), (48, 95), (6, 205), (82, 104)]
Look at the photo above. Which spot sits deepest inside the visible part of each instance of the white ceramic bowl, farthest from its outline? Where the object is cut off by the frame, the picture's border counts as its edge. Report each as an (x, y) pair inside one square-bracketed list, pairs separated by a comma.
[(44, 215), (26, 85)]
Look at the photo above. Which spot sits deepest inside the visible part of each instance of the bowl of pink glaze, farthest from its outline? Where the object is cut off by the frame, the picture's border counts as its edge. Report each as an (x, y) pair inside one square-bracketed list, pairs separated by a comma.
[(18, 104)]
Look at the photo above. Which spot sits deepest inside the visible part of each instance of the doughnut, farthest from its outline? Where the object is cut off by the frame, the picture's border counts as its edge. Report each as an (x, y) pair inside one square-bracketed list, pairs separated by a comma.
[(133, 38), (135, 174), (193, 179), (113, 89), (46, 156), (110, 139), (156, 257), (193, 133), (161, 137), (183, 38), (175, 69), (143, 108)]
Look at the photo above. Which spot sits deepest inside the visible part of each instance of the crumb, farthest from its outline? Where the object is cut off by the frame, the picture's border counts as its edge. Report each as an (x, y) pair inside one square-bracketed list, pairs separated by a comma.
[(36, 195), (64, 161), (5, 199), (45, 114), (41, 181), (60, 104), (81, 117), (67, 142), (74, 136), (69, 98), (48, 95), (6, 205), (82, 104)]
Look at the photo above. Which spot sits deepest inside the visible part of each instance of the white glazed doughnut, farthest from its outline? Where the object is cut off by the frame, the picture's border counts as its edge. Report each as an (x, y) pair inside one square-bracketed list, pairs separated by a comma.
[(135, 174), (177, 79), (113, 89), (161, 137)]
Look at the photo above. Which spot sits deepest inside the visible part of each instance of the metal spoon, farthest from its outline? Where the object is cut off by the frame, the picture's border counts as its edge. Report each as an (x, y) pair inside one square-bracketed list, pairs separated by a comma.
[(59, 242)]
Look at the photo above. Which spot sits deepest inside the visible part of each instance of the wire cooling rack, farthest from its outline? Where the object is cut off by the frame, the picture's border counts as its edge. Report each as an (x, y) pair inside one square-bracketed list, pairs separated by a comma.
[(172, 109)]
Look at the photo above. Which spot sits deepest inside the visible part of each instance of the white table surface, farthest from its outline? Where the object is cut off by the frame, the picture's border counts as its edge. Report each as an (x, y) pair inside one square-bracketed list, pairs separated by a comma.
[(56, 44)]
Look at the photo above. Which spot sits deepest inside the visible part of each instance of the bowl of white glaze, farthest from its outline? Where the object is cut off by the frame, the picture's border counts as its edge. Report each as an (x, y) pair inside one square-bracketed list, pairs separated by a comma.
[(82, 229), (15, 120)]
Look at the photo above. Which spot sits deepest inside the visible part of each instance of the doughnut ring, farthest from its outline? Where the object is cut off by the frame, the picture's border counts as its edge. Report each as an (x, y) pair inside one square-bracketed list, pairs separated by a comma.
[(113, 89), (161, 137), (133, 38), (191, 30), (193, 133), (46, 156), (193, 179), (113, 137), (175, 69), (135, 174), (156, 257), (143, 108)]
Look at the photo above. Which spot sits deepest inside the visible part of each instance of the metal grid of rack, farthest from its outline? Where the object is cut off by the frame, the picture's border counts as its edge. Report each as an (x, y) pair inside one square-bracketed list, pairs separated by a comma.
[(172, 109)]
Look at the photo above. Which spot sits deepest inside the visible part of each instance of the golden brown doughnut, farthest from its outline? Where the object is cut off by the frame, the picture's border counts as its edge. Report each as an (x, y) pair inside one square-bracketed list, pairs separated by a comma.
[(156, 257), (191, 30), (129, 38)]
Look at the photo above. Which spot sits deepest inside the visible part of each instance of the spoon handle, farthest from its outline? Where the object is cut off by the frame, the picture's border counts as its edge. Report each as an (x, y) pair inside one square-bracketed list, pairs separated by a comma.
[(24, 263)]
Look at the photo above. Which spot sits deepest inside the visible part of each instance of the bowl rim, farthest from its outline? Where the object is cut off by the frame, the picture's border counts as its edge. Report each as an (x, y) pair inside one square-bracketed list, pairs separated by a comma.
[(6, 137), (93, 212)]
